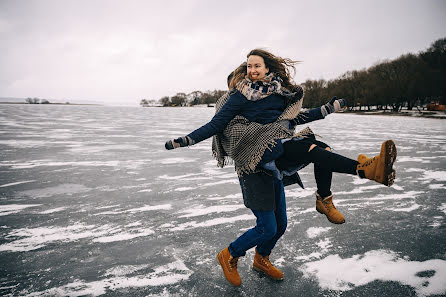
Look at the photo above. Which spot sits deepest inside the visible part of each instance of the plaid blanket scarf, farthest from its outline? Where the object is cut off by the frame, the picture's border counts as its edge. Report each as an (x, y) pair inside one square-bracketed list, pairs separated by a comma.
[(244, 142)]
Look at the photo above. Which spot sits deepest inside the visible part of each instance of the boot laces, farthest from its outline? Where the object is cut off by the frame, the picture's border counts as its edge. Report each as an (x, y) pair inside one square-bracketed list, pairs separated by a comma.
[(232, 263), (266, 261), (368, 162), (329, 205)]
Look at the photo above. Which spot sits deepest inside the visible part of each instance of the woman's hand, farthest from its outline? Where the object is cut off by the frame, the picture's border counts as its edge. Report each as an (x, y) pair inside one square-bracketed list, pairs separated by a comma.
[(333, 106), (179, 142)]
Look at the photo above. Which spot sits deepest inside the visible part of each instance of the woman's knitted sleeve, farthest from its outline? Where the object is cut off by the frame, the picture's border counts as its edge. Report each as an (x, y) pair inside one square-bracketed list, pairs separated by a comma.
[(218, 123)]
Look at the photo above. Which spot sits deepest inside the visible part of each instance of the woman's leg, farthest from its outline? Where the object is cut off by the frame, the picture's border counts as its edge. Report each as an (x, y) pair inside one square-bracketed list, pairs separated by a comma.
[(323, 180), (332, 161), (265, 229), (261, 261), (322, 175), (324, 197), (297, 152), (325, 162), (265, 248)]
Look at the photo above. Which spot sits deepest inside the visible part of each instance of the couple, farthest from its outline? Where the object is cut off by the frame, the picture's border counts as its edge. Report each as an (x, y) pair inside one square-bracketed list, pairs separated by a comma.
[(254, 125)]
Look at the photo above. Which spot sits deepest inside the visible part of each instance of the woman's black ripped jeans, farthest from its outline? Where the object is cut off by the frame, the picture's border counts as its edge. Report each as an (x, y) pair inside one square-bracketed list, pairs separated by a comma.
[(325, 162)]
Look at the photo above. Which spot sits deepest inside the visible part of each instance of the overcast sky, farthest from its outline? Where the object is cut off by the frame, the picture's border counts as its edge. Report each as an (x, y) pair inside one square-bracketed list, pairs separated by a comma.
[(119, 52)]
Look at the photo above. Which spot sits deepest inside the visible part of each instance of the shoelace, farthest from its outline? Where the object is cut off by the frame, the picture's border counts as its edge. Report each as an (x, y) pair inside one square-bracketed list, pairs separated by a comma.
[(368, 162), (232, 263), (266, 261), (329, 205)]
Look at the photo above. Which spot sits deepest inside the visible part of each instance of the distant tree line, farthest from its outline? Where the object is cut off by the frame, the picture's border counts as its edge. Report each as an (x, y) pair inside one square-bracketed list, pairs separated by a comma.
[(30, 100), (193, 98), (410, 81)]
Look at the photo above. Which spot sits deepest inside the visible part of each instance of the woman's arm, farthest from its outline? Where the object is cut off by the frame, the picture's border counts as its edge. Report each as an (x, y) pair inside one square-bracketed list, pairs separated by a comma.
[(319, 113), (217, 124)]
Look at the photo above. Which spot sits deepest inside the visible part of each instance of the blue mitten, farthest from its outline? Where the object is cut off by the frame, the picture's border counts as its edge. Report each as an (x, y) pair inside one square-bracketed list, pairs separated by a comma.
[(333, 106)]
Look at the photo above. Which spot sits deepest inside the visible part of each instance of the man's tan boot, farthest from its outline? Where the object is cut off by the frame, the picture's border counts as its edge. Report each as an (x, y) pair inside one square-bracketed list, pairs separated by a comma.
[(379, 168), (325, 206), (229, 266), (263, 264)]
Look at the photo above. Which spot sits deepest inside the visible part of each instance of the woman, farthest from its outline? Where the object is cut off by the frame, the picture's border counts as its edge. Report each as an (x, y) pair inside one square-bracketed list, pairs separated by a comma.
[(254, 126)]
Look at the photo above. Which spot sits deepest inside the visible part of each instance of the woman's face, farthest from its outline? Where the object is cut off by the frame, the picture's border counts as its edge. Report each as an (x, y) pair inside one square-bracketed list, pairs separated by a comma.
[(256, 68)]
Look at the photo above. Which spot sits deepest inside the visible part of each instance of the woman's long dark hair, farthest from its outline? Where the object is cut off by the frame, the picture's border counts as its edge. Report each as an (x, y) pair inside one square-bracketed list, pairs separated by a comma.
[(280, 66), (237, 75)]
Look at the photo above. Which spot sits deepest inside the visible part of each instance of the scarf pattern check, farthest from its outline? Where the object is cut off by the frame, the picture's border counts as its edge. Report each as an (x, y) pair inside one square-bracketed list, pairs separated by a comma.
[(243, 142)]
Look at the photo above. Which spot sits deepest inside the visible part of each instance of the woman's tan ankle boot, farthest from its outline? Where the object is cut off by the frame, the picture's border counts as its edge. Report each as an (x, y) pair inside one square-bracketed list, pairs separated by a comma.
[(263, 264), (379, 168), (325, 206), (229, 266)]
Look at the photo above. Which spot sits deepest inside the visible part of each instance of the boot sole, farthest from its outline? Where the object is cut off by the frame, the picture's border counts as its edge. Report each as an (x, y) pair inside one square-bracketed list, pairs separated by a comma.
[(389, 159), (263, 272)]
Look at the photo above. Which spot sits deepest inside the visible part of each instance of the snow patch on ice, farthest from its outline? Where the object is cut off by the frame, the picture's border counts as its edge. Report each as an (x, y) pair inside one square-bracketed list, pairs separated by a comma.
[(134, 224), (314, 255), (300, 193), (434, 175), (165, 275), (359, 181), (64, 189), (437, 186), (406, 195), (125, 269), (308, 210), (14, 208), (53, 210), (398, 188), (168, 161), (402, 159), (379, 265), (139, 209), (313, 232), (227, 181), (28, 239), (17, 183), (201, 210), (324, 244), (437, 222), (182, 189), (145, 191), (185, 177), (35, 238), (443, 208), (124, 236), (231, 196), (415, 170), (354, 191), (40, 163), (405, 209), (93, 149), (213, 222), (108, 206)]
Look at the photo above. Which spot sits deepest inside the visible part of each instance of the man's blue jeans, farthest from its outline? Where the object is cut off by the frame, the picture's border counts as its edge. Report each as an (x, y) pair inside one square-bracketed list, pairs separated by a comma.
[(270, 226)]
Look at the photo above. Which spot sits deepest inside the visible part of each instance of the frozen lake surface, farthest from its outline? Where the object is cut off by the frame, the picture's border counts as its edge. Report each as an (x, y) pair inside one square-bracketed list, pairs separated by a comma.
[(92, 204)]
